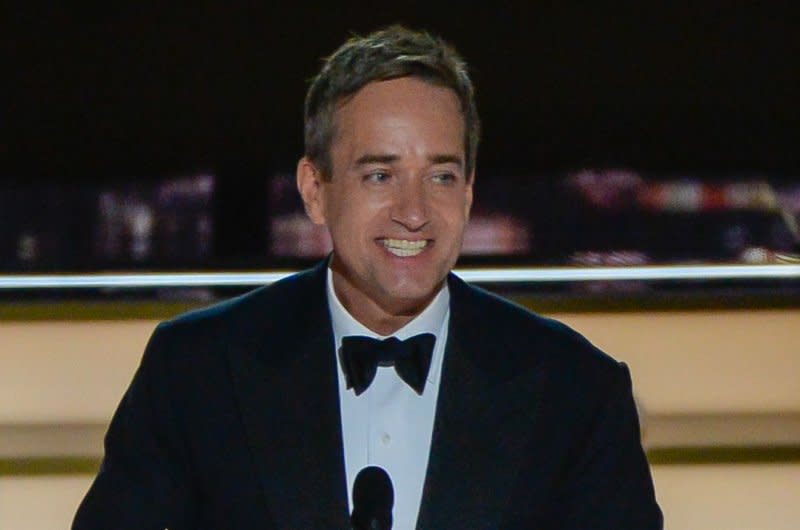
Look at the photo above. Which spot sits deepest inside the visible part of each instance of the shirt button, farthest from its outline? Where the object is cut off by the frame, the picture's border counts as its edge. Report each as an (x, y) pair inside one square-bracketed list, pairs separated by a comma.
[(386, 439)]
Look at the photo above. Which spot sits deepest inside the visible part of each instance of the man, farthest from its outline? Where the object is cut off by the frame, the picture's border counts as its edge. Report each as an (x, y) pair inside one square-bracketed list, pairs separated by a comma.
[(260, 412)]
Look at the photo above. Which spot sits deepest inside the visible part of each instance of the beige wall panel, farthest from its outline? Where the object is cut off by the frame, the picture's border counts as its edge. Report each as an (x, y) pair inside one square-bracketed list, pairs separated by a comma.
[(694, 362), (729, 497), (711, 361), (67, 371), (40, 503)]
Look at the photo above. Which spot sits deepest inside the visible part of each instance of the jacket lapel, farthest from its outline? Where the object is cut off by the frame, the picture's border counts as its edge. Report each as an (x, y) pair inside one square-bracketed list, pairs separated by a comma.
[(285, 376), (485, 420)]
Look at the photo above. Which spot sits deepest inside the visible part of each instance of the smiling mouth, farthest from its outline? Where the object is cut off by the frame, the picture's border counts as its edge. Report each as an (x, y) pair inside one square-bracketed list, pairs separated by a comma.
[(404, 248)]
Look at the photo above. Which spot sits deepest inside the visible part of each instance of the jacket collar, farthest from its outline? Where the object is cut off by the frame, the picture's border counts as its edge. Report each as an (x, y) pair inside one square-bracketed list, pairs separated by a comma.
[(285, 374), (485, 419)]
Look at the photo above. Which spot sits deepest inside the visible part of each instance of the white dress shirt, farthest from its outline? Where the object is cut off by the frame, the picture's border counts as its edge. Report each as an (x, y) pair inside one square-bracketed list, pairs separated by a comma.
[(389, 425)]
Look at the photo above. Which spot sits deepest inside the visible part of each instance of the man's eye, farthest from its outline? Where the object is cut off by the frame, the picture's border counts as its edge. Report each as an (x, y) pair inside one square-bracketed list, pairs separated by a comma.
[(444, 178), (377, 177)]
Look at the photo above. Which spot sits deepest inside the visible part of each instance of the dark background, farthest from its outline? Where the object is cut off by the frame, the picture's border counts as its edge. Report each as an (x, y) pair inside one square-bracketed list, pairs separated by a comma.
[(137, 93), (93, 91)]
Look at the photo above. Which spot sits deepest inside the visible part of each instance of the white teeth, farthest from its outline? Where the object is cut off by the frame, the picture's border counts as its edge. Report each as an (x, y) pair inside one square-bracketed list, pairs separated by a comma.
[(403, 247)]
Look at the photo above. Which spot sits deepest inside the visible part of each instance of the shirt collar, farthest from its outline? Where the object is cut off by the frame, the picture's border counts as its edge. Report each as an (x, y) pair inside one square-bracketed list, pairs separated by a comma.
[(433, 319)]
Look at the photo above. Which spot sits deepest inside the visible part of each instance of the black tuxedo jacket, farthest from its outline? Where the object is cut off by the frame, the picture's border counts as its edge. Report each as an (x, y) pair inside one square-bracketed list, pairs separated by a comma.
[(232, 421)]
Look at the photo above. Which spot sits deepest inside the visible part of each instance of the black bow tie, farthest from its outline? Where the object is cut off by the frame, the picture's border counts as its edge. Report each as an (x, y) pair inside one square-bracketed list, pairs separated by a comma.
[(411, 359)]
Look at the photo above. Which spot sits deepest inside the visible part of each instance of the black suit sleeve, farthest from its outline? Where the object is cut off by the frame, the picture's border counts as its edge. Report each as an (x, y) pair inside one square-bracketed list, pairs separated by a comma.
[(142, 483), (610, 486)]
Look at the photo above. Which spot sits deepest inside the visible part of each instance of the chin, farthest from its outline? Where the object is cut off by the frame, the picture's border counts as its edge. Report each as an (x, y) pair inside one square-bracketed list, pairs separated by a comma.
[(411, 293)]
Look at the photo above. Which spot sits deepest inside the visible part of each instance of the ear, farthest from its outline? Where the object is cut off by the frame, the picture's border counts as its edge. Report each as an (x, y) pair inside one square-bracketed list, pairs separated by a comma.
[(309, 184), (468, 194)]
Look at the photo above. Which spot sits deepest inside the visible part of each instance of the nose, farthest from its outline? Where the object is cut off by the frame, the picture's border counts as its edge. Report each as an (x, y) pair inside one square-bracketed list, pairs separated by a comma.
[(409, 207)]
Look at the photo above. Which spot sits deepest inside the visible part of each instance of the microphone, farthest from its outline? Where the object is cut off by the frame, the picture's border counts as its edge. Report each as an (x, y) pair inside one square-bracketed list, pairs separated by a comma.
[(373, 498)]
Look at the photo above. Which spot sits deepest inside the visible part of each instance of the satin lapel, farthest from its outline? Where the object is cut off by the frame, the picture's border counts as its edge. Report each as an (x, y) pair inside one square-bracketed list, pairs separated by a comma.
[(485, 420), (286, 381)]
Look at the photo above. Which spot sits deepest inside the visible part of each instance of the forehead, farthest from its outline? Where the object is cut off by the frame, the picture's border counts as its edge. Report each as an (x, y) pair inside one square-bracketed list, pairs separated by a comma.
[(407, 112)]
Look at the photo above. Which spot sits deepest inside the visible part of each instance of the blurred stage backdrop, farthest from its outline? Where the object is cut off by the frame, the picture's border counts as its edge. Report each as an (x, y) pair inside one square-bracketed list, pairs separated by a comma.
[(598, 216), (138, 139)]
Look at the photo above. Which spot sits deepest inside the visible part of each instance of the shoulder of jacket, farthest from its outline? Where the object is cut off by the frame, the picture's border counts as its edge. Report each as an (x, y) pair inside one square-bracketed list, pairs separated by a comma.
[(530, 334), (270, 302)]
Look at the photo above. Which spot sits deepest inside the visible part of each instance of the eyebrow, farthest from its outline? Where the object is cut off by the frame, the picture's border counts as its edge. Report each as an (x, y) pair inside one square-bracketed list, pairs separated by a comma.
[(376, 159), (388, 159), (447, 159)]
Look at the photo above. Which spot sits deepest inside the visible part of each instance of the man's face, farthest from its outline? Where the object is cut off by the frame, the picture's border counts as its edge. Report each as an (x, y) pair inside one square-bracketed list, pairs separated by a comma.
[(398, 199)]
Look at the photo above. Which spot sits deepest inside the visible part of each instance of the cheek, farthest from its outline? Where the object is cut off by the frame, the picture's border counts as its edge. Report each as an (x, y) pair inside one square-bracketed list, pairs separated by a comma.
[(456, 213), (353, 220), (365, 212)]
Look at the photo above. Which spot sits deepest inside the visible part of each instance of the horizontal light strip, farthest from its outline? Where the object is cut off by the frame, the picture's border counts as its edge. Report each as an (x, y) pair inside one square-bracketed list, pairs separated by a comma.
[(671, 272), (496, 275)]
